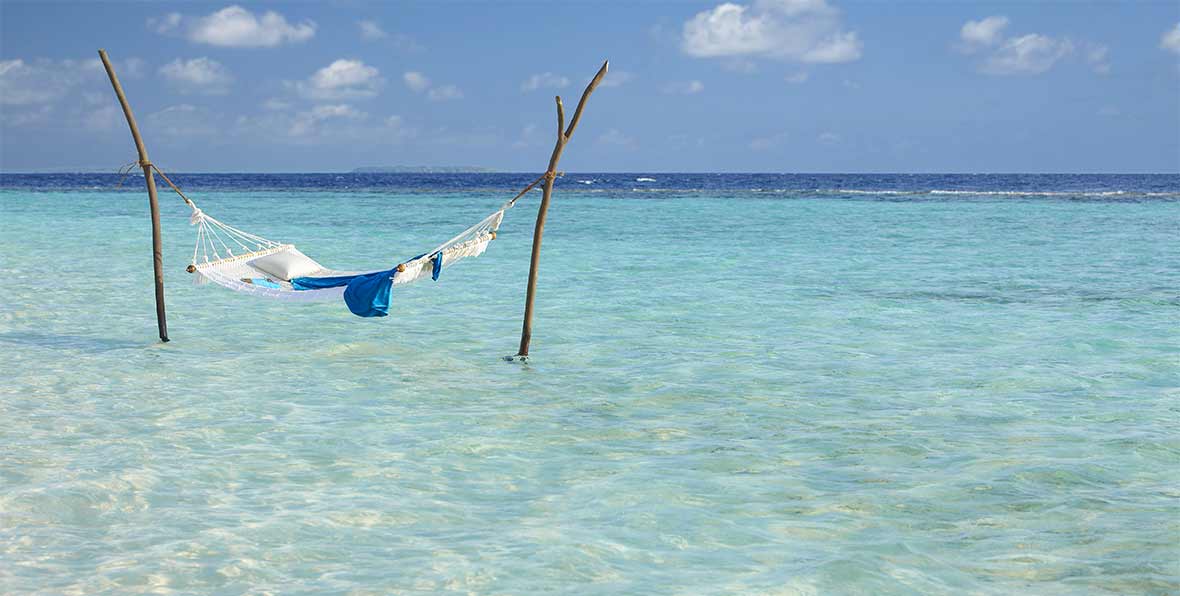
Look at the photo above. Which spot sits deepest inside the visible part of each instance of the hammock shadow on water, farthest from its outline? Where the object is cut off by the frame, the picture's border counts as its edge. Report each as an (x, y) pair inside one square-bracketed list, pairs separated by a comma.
[(69, 341)]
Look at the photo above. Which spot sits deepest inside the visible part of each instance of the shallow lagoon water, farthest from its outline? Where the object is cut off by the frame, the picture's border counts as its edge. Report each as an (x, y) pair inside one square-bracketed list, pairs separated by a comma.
[(760, 386)]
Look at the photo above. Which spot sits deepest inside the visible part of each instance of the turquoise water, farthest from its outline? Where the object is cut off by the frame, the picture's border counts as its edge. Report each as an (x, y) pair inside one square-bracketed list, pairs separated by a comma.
[(729, 393)]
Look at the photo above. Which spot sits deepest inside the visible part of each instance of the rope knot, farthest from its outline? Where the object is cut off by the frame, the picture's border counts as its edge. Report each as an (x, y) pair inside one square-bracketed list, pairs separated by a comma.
[(143, 163)]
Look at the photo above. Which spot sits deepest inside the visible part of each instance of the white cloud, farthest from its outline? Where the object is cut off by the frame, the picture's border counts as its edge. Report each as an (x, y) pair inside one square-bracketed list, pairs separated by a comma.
[(836, 48), (199, 75), (308, 122), (684, 88), (62, 93), (30, 117), (323, 124), (46, 81), (371, 31), (1026, 55), (1170, 40), (1029, 54), (416, 81), (985, 32), (342, 79), (798, 77), (797, 30), (165, 24), (25, 84), (7, 66), (545, 79), (344, 74), (236, 27), (828, 138), (444, 93)]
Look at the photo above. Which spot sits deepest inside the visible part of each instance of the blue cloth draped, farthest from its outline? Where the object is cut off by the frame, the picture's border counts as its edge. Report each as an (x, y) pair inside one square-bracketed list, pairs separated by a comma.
[(367, 294)]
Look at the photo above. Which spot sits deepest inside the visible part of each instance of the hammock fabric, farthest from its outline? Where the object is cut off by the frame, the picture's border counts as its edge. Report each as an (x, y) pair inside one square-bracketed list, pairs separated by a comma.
[(234, 259)]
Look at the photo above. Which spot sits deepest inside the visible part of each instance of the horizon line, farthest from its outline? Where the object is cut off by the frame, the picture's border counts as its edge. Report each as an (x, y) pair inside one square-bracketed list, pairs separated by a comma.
[(621, 172)]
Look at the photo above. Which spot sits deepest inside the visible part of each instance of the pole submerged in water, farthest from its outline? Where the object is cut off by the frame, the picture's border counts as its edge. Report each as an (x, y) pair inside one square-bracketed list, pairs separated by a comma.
[(563, 137), (146, 164)]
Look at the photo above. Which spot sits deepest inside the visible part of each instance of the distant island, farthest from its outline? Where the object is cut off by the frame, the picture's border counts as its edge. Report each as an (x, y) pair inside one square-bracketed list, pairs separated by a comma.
[(422, 170)]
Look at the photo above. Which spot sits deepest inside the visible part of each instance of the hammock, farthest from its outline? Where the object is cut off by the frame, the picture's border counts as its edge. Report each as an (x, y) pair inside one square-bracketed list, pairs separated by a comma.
[(250, 264)]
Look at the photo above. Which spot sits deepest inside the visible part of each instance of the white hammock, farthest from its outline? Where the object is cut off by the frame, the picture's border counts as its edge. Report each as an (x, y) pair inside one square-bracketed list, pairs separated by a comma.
[(225, 255), (228, 256)]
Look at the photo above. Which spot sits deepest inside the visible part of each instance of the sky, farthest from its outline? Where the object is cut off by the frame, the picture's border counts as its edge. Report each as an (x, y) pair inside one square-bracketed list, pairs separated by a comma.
[(747, 86)]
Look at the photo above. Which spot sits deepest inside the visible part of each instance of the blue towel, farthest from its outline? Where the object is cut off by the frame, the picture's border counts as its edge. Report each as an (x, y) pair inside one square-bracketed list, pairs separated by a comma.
[(367, 294)]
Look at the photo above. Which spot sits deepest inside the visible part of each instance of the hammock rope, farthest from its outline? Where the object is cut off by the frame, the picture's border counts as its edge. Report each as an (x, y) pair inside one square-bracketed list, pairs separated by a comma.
[(229, 256)]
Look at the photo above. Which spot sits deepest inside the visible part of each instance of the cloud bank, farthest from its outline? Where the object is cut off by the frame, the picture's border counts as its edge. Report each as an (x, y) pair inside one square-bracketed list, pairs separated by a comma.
[(807, 31), (198, 75), (342, 79), (1029, 54), (235, 27)]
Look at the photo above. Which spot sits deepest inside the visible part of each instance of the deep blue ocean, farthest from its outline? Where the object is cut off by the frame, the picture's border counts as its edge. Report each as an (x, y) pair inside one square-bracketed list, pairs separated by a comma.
[(794, 185), (738, 384)]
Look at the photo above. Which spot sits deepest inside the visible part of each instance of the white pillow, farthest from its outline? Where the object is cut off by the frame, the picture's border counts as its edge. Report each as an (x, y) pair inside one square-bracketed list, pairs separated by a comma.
[(286, 264)]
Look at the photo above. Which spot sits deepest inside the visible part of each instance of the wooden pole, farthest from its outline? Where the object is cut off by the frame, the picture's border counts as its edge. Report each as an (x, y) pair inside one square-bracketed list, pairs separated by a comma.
[(563, 137), (146, 164)]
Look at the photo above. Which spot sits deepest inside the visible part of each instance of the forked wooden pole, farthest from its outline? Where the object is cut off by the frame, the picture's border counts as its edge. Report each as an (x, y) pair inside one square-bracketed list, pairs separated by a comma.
[(563, 137), (146, 164)]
